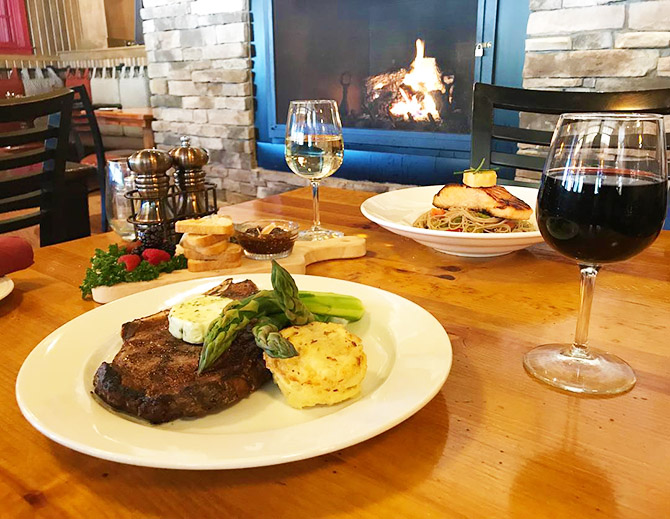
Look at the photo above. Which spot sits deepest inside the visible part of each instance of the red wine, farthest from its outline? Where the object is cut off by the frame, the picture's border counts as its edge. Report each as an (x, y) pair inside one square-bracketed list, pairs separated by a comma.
[(600, 216)]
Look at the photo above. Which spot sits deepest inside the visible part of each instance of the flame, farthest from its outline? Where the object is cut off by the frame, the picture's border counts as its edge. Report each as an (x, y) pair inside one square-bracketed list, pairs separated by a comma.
[(424, 74), (417, 89)]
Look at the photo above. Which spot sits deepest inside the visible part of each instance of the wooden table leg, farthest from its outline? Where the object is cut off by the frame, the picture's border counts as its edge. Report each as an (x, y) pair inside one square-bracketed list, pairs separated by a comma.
[(148, 136)]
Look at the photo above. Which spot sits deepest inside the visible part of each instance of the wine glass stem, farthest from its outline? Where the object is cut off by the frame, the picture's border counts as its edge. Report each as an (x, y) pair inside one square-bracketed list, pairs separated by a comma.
[(316, 223), (588, 275)]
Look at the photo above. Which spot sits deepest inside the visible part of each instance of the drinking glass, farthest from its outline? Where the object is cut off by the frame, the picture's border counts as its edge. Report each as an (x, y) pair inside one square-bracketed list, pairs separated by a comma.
[(314, 151), (602, 199), (119, 180)]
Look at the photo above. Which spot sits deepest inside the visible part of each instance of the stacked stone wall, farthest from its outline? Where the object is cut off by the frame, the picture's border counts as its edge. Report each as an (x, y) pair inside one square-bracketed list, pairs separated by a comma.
[(594, 46)]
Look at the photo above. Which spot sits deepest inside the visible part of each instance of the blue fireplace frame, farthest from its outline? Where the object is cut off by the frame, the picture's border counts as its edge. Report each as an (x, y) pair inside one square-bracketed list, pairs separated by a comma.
[(384, 155)]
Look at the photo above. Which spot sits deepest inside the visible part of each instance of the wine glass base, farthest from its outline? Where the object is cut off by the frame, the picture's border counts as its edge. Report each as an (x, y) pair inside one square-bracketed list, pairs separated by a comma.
[(318, 233), (599, 373)]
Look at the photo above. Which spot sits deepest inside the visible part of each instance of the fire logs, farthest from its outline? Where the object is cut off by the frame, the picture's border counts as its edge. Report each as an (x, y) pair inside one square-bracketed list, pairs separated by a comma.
[(420, 95)]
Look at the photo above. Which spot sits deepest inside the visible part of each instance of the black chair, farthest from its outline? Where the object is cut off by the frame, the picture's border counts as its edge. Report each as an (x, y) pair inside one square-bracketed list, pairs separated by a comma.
[(85, 124), (32, 168), (488, 136), (89, 148)]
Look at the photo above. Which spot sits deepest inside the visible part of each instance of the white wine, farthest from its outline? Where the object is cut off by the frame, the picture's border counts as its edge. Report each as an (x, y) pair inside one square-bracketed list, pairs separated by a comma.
[(316, 157)]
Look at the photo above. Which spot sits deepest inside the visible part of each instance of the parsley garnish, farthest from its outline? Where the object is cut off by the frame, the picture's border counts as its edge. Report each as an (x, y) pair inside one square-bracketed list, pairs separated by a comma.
[(105, 270)]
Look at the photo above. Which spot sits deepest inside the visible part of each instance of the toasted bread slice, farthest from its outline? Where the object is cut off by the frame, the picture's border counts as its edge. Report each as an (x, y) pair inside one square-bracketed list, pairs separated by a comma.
[(211, 251), (201, 240), (229, 259), (193, 254), (212, 224), (495, 200)]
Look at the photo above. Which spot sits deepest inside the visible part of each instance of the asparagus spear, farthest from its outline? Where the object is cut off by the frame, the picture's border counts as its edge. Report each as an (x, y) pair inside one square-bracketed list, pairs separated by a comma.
[(288, 297), (304, 308), (333, 305), (234, 318), (268, 338)]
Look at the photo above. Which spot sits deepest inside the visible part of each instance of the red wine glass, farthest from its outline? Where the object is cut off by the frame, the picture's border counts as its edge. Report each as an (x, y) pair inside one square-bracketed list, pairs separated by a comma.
[(603, 198)]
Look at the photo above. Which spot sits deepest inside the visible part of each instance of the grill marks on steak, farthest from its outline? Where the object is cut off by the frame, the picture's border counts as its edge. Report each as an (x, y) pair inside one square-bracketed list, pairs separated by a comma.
[(154, 375)]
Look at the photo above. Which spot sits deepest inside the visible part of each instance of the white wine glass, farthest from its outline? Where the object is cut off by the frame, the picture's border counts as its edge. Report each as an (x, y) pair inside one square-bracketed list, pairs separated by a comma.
[(119, 180), (314, 150)]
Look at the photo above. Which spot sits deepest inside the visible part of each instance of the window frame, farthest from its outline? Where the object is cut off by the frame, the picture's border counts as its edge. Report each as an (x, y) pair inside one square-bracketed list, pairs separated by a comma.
[(18, 21)]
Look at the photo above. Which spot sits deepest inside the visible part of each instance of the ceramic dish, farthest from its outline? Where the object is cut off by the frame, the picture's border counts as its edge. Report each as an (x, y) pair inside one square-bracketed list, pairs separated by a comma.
[(409, 357), (397, 210), (6, 287)]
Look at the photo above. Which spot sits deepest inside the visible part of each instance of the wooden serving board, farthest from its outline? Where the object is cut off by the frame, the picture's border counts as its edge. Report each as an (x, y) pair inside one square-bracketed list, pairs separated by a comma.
[(304, 253)]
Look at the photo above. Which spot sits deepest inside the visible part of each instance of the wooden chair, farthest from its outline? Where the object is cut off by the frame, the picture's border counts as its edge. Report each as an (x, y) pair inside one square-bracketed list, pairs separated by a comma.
[(487, 136), (32, 168)]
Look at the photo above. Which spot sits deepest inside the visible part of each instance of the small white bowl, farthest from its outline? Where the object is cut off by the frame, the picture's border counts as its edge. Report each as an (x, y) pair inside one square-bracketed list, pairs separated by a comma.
[(397, 210)]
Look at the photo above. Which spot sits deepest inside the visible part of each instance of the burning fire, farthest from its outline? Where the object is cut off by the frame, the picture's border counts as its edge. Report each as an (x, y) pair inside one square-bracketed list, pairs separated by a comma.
[(415, 92)]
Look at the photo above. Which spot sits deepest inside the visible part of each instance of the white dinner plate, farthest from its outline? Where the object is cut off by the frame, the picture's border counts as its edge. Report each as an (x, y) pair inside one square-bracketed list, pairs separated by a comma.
[(6, 287), (397, 210), (409, 357)]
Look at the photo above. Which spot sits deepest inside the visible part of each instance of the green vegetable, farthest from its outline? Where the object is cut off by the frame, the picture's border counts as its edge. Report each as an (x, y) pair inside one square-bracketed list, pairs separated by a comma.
[(322, 306), (268, 338), (286, 292), (329, 304), (478, 169), (234, 318), (105, 270)]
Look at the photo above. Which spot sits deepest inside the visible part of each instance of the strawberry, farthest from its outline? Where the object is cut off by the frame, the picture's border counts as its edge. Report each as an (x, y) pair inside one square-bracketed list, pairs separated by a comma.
[(155, 256), (130, 261)]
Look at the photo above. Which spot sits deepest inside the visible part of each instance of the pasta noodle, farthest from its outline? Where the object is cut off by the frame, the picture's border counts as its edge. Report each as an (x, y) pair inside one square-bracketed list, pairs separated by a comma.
[(459, 219)]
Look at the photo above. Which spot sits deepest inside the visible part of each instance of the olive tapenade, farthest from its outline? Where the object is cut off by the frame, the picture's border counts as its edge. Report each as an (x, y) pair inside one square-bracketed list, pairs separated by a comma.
[(266, 239)]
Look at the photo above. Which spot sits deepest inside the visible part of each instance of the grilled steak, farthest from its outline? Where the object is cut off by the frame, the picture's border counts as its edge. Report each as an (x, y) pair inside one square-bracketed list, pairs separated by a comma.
[(154, 375), (495, 200)]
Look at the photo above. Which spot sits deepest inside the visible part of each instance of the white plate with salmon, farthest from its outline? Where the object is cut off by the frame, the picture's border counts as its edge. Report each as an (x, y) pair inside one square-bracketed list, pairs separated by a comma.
[(459, 220)]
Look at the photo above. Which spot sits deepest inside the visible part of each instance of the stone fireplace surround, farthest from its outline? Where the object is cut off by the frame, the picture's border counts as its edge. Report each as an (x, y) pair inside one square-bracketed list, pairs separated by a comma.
[(199, 54)]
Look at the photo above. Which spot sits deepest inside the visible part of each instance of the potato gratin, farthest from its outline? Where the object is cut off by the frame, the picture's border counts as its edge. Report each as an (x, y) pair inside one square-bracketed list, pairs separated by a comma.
[(329, 368)]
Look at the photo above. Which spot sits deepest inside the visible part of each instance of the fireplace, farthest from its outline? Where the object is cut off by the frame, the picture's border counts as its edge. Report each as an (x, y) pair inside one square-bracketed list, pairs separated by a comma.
[(392, 65), (223, 72), (401, 70)]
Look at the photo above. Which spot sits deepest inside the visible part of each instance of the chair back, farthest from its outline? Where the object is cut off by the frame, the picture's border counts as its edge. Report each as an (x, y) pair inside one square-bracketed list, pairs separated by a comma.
[(487, 98), (84, 126), (32, 162)]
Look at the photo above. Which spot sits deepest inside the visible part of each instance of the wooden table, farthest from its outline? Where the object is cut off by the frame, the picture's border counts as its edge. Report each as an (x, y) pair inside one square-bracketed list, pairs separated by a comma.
[(137, 117), (493, 443)]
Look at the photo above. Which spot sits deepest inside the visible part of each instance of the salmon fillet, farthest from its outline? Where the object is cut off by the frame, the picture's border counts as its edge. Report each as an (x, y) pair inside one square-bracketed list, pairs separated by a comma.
[(495, 200)]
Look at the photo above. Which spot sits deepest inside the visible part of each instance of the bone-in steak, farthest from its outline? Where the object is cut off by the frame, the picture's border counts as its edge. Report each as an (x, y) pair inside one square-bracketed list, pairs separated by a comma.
[(154, 375)]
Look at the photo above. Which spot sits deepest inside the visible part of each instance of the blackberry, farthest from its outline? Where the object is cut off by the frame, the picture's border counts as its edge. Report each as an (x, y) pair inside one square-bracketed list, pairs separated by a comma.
[(152, 237), (155, 237), (170, 248)]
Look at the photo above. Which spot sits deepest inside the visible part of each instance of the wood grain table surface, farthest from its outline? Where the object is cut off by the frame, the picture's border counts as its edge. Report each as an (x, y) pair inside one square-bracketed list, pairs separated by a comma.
[(493, 442)]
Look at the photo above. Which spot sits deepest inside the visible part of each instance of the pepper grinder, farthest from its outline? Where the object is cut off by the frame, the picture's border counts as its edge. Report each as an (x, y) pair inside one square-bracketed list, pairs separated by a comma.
[(152, 201), (194, 192)]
